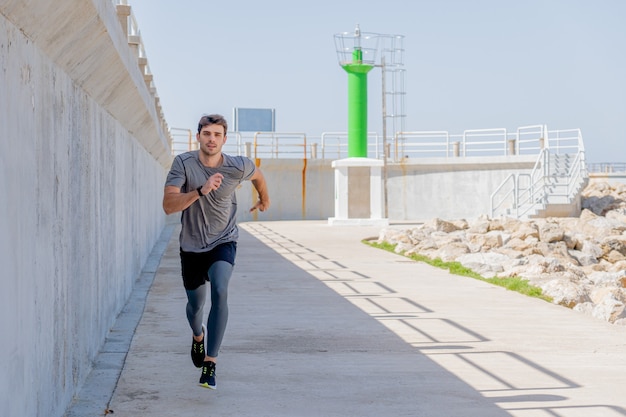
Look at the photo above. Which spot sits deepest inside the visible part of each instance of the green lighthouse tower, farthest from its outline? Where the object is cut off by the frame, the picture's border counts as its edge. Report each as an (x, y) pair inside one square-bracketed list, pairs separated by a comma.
[(357, 68)]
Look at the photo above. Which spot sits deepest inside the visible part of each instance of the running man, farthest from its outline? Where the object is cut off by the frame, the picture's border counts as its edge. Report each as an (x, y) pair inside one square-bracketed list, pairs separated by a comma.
[(202, 185)]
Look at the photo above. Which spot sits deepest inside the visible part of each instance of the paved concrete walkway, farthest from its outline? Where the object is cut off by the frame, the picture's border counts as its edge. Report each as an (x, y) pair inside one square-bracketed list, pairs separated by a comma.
[(323, 325)]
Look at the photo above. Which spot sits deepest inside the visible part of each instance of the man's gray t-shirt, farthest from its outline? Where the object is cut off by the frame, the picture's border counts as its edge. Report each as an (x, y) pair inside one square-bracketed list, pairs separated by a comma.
[(211, 220)]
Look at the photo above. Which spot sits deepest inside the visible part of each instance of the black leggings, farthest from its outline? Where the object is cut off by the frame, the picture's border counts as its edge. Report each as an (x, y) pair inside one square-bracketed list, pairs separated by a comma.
[(219, 275), (215, 266)]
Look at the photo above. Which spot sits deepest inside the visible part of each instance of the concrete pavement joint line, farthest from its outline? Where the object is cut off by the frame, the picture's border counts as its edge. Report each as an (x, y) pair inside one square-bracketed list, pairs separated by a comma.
[(378, 304), (477, 369), (93, 397), (270, 242), (354, 292), (600, 410), (489, 372), (468, 354), (450, 325), (385, 288), (542, 369), (337, 278)]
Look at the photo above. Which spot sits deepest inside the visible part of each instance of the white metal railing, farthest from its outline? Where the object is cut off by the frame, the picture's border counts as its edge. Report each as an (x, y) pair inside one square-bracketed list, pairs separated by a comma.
[(534, 193), (607, 168), (503, 198), (273, 144), (521, 194), (335, 145), (133, 36), (577, 174), (182, 140), (235, 146), (482, 142), (129, 23), (565, 141), (526, 140), (430, 143)]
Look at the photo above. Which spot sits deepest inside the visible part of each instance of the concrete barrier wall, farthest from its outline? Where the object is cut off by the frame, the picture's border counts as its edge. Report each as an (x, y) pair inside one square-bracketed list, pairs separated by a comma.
[(418, 190), (299, 190), (611, 178), (82, 164), (450, 189)]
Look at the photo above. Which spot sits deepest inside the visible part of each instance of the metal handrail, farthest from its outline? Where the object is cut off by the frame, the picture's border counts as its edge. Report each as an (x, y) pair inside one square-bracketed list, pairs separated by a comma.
[(430, 135), (342, 142), (274, 144), (523, 194), (520, 142), (529, 140), (535, 192), (565, 141), (575, 178), (484, 133), (236, 148), (607, 167), (180, 146), (133, 37), (189, 144), (511, 193)]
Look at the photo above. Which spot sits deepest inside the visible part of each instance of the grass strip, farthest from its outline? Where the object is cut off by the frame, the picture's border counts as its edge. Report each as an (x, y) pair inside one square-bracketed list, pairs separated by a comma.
[(516, 284)]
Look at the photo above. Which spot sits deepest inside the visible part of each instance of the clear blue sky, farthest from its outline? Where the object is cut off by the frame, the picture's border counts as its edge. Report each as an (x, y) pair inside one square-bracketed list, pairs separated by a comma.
[(470, 64)]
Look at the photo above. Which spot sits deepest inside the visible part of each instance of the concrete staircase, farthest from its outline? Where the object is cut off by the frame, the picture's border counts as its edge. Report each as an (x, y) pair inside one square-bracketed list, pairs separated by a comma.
[(552, 189)]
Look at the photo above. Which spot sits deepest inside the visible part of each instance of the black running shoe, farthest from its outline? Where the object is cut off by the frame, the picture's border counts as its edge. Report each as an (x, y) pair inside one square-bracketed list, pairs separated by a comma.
[(197, 350), (207, 379)]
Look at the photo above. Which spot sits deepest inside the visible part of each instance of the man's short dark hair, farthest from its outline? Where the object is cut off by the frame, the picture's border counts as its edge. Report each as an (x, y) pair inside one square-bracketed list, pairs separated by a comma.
[(212, 119)]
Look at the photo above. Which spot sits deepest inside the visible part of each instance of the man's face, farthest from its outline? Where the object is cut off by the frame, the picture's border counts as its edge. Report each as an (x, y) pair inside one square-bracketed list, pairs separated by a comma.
[(211, 139)]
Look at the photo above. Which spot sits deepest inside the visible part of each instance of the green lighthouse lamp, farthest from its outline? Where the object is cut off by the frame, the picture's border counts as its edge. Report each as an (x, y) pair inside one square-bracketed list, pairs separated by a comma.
[(358, 185), (357, 56)]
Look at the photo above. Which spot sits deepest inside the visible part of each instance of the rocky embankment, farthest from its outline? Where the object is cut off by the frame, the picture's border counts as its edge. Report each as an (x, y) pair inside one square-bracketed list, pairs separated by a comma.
[(579, 262)]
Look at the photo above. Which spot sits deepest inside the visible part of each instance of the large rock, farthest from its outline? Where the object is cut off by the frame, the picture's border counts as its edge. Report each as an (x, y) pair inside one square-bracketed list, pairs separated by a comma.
[(487, 264), (451, 252), (442, 225), (608, 279), (610, 309), (598, 227), (565, 292), (579, 262), (490, 240), (582, 258), (550, 233)]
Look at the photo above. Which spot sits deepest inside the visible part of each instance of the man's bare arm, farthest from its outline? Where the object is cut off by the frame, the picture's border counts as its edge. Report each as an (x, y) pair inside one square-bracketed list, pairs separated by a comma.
[(258, 181), (175, 201)]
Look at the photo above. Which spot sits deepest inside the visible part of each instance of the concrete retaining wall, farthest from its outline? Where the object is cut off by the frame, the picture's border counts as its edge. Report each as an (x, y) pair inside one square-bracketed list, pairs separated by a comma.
[(418, 190), (82, 164), (299, 190), (450, 189), (611, 178)]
